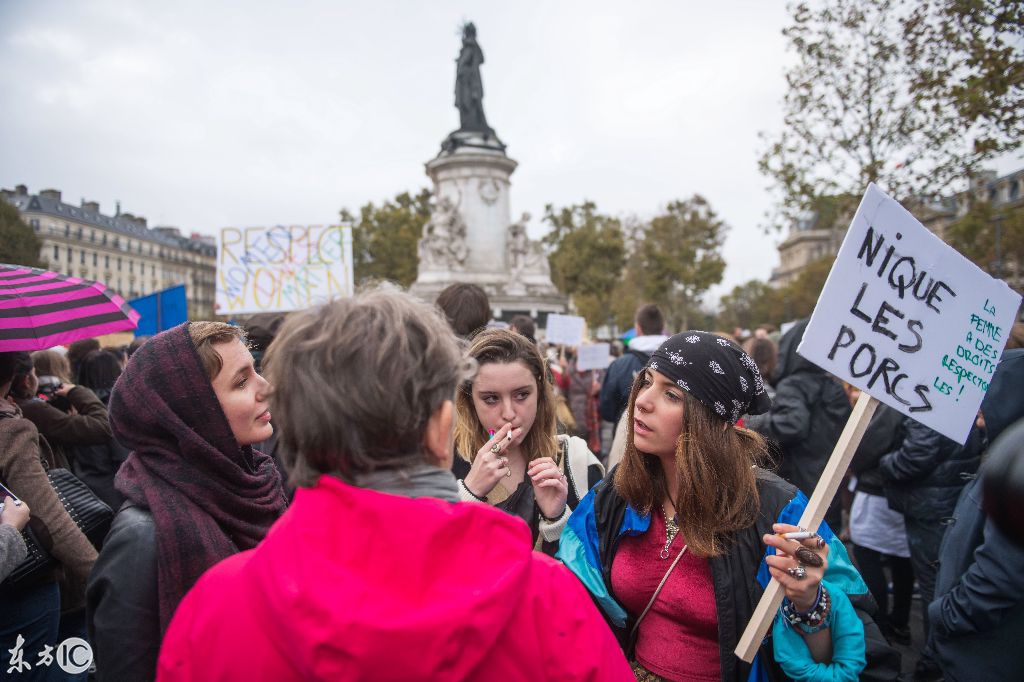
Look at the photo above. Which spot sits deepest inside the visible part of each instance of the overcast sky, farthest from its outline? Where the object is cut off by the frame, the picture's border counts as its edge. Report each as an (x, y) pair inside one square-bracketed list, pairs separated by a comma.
[(210, 114)]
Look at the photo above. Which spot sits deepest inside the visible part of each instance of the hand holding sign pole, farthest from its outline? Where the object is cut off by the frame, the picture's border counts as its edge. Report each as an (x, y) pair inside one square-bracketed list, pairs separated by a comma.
[(911, 323)]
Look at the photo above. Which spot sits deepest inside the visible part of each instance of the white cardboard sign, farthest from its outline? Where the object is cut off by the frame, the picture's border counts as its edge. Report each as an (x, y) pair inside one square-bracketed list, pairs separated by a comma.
[(566, 330), (282, 268), (910, 321), (593, 356)]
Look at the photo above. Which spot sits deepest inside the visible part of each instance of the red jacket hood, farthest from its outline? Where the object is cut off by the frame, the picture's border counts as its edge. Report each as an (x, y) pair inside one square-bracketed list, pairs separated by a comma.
[(377, 554)]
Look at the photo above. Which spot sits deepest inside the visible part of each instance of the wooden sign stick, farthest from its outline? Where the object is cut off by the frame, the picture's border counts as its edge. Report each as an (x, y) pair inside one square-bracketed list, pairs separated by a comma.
[(812, 517)]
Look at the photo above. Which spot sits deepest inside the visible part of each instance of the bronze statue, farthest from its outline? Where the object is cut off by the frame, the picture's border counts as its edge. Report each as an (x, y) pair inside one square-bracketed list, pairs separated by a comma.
[(469, 88)]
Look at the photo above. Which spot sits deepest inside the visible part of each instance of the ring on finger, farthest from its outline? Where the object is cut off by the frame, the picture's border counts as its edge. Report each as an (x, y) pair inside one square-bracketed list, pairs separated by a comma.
[(496, 448), (798, 571), (806, 556), (502, 462)]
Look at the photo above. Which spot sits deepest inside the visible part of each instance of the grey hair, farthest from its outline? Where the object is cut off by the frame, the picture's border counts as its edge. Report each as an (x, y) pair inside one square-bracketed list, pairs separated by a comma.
[(355, 381)]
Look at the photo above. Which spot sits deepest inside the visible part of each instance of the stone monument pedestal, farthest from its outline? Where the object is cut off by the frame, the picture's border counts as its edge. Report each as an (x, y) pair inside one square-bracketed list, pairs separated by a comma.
[(471, 236)]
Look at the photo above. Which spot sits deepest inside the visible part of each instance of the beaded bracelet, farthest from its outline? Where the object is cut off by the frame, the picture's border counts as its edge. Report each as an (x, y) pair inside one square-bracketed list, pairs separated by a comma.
[(813, 620), (473, 494)]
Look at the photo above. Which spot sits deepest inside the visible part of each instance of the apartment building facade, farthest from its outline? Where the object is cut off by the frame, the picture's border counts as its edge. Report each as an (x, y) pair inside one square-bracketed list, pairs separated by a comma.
[(120, 250)]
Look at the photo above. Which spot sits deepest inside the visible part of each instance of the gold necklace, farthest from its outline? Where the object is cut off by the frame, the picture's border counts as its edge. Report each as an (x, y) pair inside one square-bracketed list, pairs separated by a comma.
[(671, 531)]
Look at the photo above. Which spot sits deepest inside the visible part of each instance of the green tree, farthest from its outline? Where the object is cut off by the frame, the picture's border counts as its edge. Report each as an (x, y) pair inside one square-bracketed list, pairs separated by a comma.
[(749, 305), (682, 257), (385, 237), (911, 97), (799, 297), (977, 234), (586, 253), (19, 244), (967, 71)]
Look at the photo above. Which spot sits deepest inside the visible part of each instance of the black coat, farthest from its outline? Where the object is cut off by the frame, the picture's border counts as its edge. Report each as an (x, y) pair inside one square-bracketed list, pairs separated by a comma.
[(925, 474), (121, 600), (977, 618), (807, 416), (884, 434)]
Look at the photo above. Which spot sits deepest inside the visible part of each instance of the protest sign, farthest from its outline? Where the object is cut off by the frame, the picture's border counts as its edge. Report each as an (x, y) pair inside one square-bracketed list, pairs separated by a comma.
[(907, 319), (910, 322), (564, 329), (593, 356), (281, 268)]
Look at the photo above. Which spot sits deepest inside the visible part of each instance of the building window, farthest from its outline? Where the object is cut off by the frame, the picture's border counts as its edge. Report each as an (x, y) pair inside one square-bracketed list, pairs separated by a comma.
[(67, 230), (131, 266), (92, 235), (79, 234), (152, 269), (117, 242), (95, 258), (118, 262), (56, 252), (106, 262), (81, 257), (34, 222)]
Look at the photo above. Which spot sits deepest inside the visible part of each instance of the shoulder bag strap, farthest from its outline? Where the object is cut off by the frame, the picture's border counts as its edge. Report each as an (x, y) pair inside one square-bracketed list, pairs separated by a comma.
[(664, 579)]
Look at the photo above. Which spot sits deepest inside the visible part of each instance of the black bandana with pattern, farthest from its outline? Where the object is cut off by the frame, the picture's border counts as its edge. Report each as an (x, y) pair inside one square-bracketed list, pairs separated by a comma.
[(715, 371)]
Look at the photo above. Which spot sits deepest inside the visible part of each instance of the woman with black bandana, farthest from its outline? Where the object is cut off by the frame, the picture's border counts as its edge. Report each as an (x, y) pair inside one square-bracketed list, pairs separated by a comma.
[(678, 542)]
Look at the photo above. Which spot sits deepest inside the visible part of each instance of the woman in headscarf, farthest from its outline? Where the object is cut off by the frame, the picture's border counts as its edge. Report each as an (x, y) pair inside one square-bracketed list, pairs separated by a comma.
[(97, 464), (508, 453), (189, 405), (678, 542)]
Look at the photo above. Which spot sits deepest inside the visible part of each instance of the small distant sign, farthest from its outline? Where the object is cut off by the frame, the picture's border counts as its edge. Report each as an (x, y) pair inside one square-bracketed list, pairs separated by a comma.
[(565, 330)]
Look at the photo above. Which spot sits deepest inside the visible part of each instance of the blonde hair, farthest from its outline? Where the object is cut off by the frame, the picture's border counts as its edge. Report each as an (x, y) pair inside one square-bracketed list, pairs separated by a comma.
[(506, 347)]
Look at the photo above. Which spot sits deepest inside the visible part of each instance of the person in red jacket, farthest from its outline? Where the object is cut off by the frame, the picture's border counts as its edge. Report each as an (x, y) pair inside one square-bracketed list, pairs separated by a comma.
[(377, 571)]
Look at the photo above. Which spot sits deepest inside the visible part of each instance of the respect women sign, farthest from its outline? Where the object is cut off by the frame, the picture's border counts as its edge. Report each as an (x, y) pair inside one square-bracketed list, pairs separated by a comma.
[(910, 321), (278, 269)]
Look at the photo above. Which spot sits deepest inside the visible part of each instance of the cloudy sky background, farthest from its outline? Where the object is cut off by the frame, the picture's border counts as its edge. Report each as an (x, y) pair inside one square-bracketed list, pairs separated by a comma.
[(209, 114)]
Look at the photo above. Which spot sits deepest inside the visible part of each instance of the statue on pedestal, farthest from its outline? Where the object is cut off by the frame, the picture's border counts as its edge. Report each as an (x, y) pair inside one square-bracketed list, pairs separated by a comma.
[(469, 87), (443, 246)]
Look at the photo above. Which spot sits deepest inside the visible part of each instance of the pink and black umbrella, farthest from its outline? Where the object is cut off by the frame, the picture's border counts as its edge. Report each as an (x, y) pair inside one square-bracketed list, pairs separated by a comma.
[(41, 309)]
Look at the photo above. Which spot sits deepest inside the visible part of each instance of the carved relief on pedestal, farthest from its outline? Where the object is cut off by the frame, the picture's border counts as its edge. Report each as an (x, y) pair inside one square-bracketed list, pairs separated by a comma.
[(489, 190), (525, 256), (443, 245)]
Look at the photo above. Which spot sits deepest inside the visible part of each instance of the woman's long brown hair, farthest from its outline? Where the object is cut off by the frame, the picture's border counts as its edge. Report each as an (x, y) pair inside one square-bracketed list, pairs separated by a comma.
[(717, 493)]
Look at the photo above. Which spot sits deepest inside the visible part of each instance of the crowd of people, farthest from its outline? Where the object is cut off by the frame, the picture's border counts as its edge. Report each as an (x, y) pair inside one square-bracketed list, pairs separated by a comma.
[(379, 488)]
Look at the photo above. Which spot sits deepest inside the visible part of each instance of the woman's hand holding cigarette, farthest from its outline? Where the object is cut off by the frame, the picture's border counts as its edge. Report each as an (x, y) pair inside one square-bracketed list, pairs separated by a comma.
[(794, 550), (491, 463)]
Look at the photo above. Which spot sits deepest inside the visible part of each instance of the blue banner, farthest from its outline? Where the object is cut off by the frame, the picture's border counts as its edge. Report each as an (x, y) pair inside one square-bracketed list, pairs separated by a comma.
[(160, 311)]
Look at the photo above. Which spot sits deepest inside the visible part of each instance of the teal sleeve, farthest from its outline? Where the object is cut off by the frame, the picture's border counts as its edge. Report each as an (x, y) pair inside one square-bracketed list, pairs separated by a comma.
[(848, 648)]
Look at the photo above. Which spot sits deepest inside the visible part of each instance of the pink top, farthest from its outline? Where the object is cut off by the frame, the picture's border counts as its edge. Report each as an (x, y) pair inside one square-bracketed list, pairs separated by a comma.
[(678, 637)]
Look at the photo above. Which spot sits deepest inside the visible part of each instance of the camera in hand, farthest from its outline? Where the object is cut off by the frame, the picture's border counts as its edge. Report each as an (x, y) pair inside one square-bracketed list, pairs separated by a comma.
[(48, 387)]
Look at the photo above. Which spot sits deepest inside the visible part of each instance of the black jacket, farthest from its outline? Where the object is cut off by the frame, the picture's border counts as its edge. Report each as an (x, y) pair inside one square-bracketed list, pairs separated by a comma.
[(807, 416), (925, 474), (121, 600), (734, 575), (977, 618), (884, 434)]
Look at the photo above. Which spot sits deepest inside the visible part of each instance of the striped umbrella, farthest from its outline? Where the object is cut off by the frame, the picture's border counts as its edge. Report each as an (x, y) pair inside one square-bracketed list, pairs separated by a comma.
[(41, 309)]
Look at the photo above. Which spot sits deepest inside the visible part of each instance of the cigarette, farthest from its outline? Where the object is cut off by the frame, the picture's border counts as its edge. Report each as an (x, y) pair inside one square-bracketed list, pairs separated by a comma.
[(799, 535), (509, 435)]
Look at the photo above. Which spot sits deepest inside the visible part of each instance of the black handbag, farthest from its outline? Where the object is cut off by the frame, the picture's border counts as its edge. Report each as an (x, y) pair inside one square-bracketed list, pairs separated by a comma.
[(91, 514)]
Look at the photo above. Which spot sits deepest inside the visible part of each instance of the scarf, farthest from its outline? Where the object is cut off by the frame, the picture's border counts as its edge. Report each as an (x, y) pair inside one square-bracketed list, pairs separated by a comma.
[(209, 498), (422, 480), (715, 371)]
